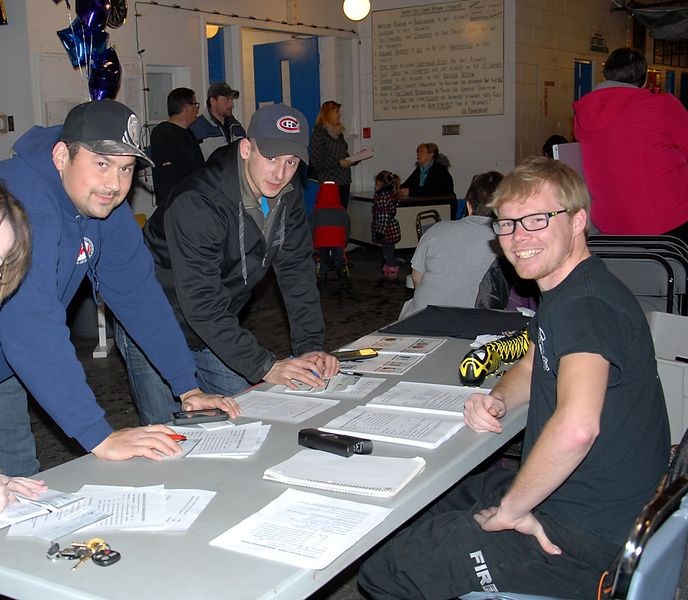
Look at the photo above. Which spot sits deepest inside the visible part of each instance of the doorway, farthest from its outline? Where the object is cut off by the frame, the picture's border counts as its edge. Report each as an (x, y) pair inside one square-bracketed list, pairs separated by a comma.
[(289, 72)]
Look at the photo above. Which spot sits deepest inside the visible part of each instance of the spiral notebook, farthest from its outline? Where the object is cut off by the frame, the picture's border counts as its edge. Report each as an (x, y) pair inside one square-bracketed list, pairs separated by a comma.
[(363, 475)]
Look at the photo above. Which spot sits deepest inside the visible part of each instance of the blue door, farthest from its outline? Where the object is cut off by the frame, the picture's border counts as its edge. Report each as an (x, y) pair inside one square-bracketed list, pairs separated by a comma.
[(582, 78), (670, 82), (289, 72)]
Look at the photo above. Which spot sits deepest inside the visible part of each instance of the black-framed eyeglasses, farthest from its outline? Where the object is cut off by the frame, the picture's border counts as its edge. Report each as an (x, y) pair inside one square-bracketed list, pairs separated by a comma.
[(533, 222)]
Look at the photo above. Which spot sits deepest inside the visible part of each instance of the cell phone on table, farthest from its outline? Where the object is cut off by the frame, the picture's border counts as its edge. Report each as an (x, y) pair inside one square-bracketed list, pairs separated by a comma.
[(361, 354), (191, 417)]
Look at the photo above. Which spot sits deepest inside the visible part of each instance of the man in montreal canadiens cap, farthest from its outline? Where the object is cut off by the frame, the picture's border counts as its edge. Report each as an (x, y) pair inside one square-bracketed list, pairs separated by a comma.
[(225, 226), (73, 181)]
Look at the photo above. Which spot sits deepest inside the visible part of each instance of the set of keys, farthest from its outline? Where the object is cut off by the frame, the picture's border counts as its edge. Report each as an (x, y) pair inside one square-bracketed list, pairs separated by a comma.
[(95, 550)]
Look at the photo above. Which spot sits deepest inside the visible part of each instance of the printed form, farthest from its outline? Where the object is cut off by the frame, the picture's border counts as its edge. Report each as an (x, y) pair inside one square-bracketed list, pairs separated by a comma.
[(302, 529)]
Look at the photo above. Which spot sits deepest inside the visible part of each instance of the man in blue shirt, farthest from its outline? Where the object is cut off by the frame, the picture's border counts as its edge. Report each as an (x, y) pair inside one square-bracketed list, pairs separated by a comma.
[(73, 181)]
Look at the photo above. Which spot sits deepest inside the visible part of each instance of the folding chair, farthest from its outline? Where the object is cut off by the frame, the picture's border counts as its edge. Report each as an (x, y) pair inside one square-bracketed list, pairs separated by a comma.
[(677, 261), (426, 219), (649, 276)]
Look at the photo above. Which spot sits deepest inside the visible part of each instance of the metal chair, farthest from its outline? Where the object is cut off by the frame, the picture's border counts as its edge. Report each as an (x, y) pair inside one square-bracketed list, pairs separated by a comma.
[(426, 219), (649, 276)]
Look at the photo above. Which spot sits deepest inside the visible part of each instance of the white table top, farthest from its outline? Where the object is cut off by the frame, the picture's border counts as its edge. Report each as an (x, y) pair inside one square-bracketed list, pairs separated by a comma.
[(174, 565)]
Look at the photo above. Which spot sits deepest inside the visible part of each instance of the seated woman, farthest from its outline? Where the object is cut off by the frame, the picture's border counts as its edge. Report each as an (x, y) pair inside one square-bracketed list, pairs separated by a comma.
[(431, 176), (452, 257)]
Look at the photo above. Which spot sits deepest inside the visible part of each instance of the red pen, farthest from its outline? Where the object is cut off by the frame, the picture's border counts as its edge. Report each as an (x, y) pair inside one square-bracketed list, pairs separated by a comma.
[(177, 437)]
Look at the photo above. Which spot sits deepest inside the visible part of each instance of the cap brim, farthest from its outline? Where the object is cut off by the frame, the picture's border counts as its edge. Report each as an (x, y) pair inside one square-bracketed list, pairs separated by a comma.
[(281, 147), (113, 148)]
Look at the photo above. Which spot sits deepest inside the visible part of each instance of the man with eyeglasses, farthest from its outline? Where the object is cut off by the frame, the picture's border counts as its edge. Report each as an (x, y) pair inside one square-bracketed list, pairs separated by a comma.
[(596, 440), (174, 148)]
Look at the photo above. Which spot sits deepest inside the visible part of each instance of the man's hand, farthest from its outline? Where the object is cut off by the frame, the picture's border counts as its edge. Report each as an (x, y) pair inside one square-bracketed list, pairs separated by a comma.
[(22, 485), (483, 411), (151, 441), (198, 400), (310, 368), (494, 519)]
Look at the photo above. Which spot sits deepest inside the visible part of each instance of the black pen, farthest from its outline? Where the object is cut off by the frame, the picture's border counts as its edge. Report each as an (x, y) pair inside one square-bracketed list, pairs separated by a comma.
[(351, 373)]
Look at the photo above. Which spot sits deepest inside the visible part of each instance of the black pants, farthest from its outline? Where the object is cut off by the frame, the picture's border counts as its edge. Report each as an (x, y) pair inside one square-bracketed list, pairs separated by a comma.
[(445, 553)]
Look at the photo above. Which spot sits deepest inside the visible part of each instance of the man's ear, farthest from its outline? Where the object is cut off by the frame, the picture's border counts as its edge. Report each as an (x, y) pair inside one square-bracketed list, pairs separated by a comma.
[(580, 220), (245, 148), (60, 156)]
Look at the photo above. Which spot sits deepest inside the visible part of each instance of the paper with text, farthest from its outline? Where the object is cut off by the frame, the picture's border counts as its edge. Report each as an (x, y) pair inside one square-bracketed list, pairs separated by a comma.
[(281, 407), (392, 344), (426, 397), (383, 364), (401, 427), (302, 529)]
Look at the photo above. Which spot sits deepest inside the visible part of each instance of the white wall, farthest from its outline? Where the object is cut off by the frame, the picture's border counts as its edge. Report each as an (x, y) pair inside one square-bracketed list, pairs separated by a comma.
[(15, 89)]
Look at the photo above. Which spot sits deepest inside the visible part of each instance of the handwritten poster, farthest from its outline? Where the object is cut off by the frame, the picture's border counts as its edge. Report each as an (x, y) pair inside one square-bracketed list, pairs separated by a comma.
[(439, 60)]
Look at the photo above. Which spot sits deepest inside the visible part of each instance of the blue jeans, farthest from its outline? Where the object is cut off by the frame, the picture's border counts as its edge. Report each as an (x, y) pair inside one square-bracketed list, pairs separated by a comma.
[(152, 396), (17, 444)]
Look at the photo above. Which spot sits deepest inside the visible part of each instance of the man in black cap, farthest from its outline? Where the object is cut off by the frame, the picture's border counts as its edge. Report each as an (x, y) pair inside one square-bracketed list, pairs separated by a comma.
[(218, 126), (225, 226), (73, 181)]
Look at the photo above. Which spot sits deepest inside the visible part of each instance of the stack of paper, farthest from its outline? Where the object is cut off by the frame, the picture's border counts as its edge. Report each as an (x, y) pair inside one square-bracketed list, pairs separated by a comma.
[(397, 344), (225, 442), (426, 397), (279, 407), (49, 501), (302, 529), (382, 364), (342, 386), (364, 475), (423, 430)]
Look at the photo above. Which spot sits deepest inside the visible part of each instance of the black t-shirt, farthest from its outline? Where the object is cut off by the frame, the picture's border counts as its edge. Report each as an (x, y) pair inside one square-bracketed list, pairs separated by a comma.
[(592, 311)]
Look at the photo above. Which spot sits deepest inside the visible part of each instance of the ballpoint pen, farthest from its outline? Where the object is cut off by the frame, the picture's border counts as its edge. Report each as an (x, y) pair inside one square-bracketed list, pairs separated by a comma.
[(177, 437)]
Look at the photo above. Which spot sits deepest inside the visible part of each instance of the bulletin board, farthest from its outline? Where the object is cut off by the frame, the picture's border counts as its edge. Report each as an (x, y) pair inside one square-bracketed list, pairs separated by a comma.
[(439, 60)]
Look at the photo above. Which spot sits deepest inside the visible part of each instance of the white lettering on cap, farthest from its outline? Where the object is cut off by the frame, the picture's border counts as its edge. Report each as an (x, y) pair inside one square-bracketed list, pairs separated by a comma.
[(288, 124)]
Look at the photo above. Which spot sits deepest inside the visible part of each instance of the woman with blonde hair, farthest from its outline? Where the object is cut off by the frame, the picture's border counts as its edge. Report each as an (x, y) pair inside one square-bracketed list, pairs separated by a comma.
[(329, 150)]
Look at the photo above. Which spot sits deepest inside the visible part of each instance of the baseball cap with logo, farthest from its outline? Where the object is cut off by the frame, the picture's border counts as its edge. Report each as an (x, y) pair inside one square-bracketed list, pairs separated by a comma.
[(221, 88), (279, 129), (104, 127)]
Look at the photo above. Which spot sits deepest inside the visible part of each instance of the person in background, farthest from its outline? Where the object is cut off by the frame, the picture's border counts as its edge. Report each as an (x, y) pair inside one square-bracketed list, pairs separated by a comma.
[(635, 151), (330, 226), (15, 256), (452, 257), (73, 181), (226, 226), (385, 228), (596, 441), (174, 148), (329, 150), (431, 176), (218, 126), (552, 140)]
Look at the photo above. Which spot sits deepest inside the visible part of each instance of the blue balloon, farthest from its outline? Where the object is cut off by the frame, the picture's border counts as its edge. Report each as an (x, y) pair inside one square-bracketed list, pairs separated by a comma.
[(106, 73), (93, 13), (82, 43)]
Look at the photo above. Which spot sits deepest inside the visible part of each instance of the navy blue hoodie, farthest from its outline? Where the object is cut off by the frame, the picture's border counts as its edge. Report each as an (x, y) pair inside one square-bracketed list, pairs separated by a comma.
[(34, 338)]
